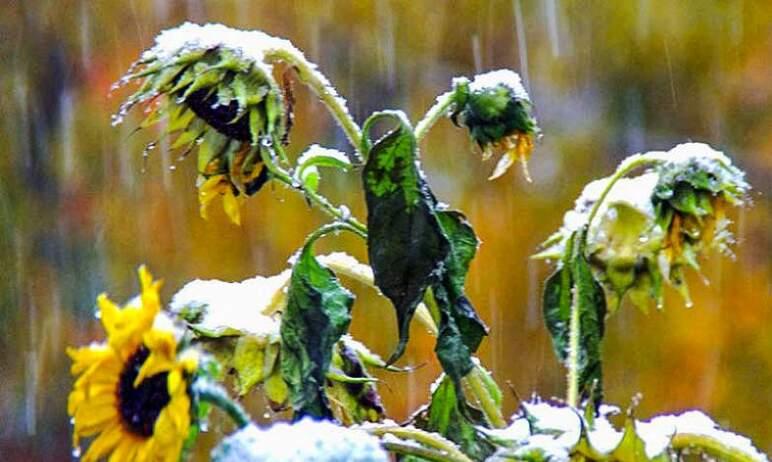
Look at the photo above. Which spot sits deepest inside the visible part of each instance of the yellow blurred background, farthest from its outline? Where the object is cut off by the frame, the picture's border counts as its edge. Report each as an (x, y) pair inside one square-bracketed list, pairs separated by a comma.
[(78, 215)]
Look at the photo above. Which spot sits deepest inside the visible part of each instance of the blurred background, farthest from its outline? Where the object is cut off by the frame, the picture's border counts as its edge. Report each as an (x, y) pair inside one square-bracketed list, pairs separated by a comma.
[(79, 210)]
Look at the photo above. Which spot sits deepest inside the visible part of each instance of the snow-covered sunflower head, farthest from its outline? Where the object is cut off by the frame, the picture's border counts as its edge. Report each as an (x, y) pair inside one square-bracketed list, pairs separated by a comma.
[(211, 87), (131, 393), (651, 227), (498, 113)]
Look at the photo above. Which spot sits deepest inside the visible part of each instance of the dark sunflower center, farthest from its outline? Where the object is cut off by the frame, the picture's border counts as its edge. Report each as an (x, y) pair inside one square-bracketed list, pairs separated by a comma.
[(140, 406)]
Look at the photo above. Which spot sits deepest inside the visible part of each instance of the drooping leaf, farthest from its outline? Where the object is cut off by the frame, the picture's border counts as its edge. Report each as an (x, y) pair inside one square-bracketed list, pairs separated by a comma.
[(573, 286), (449, 415), (460, 329), (354, 402), (406, 246), (317, 315)]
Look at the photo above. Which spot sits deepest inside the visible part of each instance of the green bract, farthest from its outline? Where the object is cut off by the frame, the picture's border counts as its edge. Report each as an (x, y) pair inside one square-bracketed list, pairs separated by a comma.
[(498, 113)]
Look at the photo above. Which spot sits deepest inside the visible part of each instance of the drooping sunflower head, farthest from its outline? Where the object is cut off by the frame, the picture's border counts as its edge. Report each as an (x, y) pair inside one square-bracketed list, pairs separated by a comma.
[(131, 392), (653, 226), (696, 184), (213, 90), (498, 113)]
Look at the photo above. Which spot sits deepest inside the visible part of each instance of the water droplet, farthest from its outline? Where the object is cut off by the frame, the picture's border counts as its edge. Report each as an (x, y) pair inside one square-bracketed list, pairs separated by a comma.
[(76, 452), (72, 420), (266, 142), (98, 314), (172, 167), (267, 415)]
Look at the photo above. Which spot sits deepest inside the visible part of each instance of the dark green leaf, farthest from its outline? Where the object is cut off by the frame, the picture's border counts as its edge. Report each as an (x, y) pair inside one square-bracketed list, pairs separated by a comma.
[(318, 313), (557, 304), (460, 329), (406, 246)]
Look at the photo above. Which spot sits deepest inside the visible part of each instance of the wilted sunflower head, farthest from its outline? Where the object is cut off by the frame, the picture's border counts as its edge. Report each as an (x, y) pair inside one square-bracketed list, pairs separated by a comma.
[(131, 393), (498, 113), (214, 92), (651, 226)]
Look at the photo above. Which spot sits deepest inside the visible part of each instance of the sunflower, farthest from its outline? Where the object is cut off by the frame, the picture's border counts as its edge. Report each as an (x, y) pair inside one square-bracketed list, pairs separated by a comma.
[(131, 392)]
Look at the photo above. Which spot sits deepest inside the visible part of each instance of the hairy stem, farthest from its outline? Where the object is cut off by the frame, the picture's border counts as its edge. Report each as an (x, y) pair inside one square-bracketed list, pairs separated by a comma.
[(574, 332), (430, 440), (320, 85), (492, 412), (213, 393), (437, 111)]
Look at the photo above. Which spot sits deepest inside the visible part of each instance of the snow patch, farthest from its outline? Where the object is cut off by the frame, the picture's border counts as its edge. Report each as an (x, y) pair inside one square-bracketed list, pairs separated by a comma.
[(233, 308), (306, 440), (505, 77)]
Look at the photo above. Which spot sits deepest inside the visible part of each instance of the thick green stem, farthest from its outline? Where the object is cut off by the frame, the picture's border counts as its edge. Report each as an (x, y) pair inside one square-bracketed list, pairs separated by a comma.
[(320, 85), (492, 412), (710, 446), (430, 440), (574, 333), (437, 111), (215, 394)]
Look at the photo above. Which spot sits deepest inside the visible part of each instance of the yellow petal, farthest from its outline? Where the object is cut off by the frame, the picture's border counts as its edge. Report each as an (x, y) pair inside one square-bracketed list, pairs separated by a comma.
[(126, 449), (104, 443), (232, 206), (207, 192)]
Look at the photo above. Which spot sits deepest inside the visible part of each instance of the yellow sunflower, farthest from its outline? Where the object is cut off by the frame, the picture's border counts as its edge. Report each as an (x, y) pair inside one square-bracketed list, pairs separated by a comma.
[(131, 391)]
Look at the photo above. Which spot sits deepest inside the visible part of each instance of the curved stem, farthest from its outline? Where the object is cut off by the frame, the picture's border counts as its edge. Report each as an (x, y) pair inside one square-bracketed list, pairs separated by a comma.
[(315, 198), (710, 446), (434, 114), (331, 228), (215, 394), (431, 440), (488, 405), (627, 166), (320, 85)]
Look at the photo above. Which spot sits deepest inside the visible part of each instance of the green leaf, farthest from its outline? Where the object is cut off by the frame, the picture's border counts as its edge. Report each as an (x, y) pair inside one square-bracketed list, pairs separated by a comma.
[(449, 415), (254, 359), (318, 313), (573, 286), (460, 330), (557, 304), (406, 246)]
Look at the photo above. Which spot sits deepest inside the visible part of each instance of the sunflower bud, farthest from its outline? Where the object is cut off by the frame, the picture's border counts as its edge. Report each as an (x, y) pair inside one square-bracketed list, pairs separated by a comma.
[(497, 111), (212, 87), (650, 227)]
